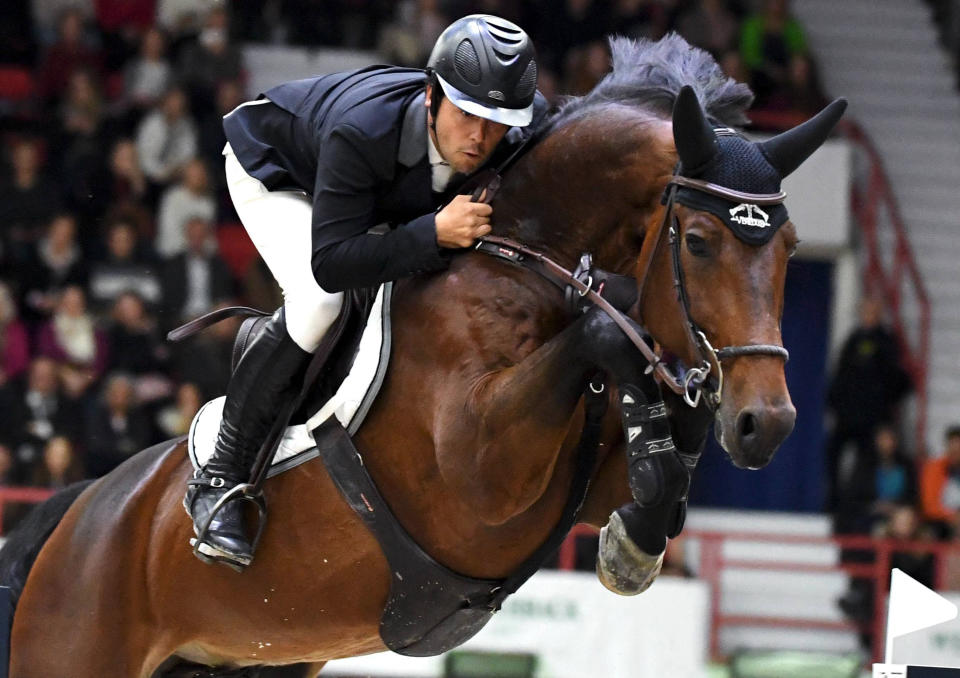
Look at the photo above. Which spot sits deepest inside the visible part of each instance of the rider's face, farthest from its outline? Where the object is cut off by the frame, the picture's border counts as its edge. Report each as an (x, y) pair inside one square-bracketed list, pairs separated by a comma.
[(464, 140)]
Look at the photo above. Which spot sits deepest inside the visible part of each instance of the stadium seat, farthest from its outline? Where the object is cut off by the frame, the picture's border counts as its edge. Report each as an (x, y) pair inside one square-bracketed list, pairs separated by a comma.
[(236, 248), (16, 83)]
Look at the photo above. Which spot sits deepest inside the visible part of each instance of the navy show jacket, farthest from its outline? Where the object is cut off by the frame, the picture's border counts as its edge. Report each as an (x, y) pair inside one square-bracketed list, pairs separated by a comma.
[(356, 142)]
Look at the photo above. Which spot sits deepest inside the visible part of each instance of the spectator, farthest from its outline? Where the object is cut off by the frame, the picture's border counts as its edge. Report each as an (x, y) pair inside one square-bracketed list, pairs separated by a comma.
[(769, 41), (14, 343), (27, 200), (117, 428), (8, 471), (122, 24), (416, 25), (38, 410), (710, 25), (67, 55), (123, 270), (56, 263), (210, 60), (59, 465), (17, 41), (904, 525), (80, 143), (122, 185), (205, 358), (48, 16), (175, 419), (894, 478), (167, 138), (196, 280), (230, 94), (638, 19), (578, 22), (135, 348), (865, 391), (586, 66), (188, 199), (71, 338), (181, 18), (940, 487), (81, 111), (732, 65), (147, 77)]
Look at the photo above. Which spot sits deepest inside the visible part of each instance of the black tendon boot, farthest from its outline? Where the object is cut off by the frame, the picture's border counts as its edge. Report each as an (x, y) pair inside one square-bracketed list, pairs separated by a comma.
[(655, 471), (267, 376)]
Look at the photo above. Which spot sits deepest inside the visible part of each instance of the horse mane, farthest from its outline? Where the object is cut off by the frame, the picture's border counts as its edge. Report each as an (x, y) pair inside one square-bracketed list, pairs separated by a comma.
[(650, 74)]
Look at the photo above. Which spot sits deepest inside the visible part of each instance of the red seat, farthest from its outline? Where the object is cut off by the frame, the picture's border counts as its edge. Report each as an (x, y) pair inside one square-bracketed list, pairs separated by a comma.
[(236, 248), (16, 83)]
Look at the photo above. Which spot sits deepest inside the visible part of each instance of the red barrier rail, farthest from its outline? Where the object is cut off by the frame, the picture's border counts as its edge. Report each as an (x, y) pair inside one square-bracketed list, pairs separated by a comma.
[(713, 562), (21, 495)]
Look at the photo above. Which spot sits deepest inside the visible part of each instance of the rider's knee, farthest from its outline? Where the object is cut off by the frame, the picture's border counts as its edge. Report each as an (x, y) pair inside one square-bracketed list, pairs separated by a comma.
[(310, 316)]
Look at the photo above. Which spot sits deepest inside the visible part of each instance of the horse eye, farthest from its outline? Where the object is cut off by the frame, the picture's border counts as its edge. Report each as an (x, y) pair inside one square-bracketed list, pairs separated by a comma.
[(696, 245), (793, 250)]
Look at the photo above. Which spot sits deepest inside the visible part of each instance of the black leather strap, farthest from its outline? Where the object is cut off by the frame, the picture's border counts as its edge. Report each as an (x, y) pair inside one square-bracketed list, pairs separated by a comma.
[(432, 609)]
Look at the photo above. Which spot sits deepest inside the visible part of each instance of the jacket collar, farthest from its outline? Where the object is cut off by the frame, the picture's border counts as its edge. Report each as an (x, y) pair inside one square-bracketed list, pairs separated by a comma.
[(413, 134)]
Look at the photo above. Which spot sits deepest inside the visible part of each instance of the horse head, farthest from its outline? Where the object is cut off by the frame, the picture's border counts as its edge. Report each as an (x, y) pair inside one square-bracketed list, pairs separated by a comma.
[(713, 265)]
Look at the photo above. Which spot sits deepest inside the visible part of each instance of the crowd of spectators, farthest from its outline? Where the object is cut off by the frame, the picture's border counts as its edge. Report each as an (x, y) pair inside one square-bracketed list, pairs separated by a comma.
[(874, 487), (114, 221)]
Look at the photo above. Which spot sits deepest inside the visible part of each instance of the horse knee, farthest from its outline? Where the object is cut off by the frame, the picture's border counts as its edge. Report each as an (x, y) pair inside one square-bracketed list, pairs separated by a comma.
[(607, 346)]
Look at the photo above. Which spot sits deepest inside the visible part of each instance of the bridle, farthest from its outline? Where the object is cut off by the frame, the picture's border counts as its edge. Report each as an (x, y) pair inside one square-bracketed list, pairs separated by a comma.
[(696, 380), (692, 383)]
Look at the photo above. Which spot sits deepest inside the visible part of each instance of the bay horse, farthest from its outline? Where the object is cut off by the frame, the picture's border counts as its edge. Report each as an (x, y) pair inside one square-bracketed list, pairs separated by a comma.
[(471, 438)]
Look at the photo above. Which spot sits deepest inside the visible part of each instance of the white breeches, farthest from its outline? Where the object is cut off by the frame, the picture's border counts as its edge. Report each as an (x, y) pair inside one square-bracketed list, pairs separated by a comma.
[(279, 224)]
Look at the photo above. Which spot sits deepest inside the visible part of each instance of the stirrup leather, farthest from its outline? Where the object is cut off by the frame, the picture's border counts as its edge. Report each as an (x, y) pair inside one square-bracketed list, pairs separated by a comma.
[(242, 492)]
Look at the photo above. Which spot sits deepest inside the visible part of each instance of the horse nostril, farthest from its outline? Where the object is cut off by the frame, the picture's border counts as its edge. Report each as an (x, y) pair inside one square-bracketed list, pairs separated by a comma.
[(748, 424)]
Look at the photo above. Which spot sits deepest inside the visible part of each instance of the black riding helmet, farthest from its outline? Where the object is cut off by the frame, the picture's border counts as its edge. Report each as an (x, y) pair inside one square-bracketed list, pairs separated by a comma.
[(486, 66)]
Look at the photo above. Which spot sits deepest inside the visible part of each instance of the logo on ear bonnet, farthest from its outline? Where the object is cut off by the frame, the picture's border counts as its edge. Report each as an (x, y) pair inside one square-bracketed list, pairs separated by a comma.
[(749, 219)]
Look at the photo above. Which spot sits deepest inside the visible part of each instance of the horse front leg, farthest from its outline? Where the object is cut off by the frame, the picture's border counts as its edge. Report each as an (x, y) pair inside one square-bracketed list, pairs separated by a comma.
[(662, 444)]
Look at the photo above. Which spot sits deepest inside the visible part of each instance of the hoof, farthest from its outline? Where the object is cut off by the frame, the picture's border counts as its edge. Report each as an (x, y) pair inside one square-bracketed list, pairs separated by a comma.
[(622, 566)]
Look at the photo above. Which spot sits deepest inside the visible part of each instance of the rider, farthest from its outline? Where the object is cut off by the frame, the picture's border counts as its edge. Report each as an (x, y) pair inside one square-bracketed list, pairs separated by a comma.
[(312, 165)]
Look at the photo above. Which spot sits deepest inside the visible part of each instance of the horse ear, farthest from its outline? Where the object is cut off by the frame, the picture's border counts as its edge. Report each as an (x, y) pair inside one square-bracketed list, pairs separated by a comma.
[(787, 151), (693, 135)]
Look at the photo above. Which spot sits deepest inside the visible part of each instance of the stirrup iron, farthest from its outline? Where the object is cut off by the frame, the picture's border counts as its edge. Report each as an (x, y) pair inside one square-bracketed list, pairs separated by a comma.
[(242, 492)]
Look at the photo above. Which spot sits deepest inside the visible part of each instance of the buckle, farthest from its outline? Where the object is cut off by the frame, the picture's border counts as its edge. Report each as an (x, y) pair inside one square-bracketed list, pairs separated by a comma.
[(217, 481)]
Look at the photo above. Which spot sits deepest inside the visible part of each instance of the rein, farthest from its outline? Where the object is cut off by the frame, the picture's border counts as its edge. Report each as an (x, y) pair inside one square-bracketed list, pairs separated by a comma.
[(694, 382)]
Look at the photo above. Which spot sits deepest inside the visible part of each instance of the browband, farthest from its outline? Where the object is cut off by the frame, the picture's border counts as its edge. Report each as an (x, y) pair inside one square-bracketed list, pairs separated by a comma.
[(728, 193)]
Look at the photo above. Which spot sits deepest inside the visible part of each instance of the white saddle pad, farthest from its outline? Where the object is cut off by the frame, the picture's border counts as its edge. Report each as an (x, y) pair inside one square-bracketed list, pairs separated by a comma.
[(349, 404)]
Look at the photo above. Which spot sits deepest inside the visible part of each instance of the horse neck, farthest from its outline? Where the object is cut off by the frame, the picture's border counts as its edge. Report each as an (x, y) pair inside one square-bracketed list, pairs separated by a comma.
[(587, 187)]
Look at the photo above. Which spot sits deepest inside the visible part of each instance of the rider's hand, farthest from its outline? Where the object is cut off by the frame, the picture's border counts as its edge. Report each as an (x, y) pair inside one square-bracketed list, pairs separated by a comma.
[(462, 221)]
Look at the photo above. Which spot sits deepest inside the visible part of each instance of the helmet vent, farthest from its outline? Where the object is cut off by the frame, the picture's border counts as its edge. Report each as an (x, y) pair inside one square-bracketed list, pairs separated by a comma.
[(503, 57), (467, 62), (502, 28), (528, 81)]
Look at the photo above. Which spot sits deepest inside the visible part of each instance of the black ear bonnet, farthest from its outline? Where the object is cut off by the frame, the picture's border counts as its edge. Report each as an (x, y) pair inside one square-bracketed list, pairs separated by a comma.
[(727, 160)]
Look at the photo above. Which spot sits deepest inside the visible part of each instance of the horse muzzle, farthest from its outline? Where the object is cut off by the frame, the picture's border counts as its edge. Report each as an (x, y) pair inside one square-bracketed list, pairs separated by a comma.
[(753, 433)]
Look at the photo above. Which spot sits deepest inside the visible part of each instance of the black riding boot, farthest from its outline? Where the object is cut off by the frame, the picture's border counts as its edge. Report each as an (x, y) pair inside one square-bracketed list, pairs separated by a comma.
[(267, 376)]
